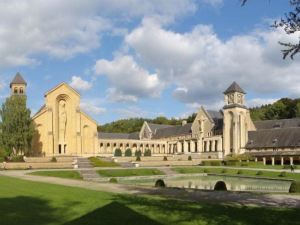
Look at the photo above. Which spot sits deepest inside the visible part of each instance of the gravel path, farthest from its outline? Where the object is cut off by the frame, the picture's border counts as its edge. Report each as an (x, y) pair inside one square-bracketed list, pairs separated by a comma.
[(269, 200)]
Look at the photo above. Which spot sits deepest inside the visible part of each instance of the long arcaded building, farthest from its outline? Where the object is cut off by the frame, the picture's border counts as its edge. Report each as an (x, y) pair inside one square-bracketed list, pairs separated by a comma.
[(63, 128)]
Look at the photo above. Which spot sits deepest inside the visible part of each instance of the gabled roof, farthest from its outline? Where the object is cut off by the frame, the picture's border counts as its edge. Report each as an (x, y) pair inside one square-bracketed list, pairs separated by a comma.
[(62, 84), (234, 87), (18, 79), (153, 127), (173, 131)]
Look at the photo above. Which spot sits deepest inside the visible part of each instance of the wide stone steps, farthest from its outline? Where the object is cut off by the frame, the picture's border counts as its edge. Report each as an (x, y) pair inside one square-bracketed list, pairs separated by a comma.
[(86, 171)]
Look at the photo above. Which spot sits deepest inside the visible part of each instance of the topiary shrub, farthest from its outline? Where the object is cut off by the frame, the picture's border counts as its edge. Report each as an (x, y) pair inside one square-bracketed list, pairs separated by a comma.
[(147, 152), (165, 158), (283, 174), (138, 153), (53, 159), (138, 158), (220, 186), (295, 187), (240, 172), (128, 152), (259, 173), (224, 171), (118, 152), (206, 171), (113, 180), (160, 183), (190, 158)]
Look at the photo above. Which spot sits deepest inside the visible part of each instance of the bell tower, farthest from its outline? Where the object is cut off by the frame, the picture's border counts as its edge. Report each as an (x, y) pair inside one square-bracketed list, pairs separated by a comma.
[(18, 85), (236, 118)]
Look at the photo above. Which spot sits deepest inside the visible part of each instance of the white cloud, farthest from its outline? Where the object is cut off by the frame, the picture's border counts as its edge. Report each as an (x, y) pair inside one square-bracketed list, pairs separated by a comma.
[(62, 28), (129, 81), (202, 66), (92, 106), (80, 84)]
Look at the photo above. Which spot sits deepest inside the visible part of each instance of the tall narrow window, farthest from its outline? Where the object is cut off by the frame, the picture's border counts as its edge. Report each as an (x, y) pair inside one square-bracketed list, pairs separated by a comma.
[(15, 90), (21, 91)]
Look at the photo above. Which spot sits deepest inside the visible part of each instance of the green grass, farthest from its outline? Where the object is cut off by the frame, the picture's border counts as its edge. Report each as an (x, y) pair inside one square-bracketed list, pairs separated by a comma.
[(61, 173), (96, 162), (33, 203), (129, 172), (245, 172)]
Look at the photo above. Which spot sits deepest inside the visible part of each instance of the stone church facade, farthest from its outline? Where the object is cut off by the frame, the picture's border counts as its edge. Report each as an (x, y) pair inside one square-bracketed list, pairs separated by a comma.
[(64, 129)]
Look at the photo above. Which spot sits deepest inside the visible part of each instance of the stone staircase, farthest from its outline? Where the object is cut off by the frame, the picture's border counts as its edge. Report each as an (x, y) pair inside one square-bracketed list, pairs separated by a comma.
[(86, 170)]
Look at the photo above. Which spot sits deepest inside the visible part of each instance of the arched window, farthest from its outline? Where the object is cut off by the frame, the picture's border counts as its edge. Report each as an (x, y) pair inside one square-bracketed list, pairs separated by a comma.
[(21, 91), (15, 90)]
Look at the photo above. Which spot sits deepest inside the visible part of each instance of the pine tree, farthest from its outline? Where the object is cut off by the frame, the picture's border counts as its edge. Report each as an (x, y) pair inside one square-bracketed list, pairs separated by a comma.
[(16, 126)]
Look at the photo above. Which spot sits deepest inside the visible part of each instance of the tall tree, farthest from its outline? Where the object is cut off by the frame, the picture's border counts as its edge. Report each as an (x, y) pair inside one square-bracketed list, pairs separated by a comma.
[(16, 126), (291, 24)]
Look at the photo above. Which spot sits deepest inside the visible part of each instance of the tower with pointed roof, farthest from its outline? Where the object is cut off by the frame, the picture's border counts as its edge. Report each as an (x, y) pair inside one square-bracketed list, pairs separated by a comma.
[(236, 120), (18, 85)]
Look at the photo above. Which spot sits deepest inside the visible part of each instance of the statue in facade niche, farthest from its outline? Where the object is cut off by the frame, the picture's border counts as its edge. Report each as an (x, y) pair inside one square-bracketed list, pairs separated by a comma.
[(62, 120)]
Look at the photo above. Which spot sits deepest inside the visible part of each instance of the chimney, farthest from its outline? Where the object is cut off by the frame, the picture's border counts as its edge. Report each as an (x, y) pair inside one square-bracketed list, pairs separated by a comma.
[(183, 122)]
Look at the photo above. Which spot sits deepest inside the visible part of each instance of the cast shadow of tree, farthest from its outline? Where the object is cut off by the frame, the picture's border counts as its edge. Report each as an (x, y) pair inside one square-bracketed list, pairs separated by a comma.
[(114, 213), (26, 210)]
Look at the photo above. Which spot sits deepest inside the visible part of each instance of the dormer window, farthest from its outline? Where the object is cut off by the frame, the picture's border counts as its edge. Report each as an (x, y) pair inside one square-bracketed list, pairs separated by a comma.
[(277, 125), (275, 140)]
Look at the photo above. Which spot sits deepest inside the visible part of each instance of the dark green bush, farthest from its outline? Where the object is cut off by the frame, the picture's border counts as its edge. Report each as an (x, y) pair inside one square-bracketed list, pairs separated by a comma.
[(220, 186), (240, 172), (259, 173), (212, 163), (113, 180), (138, 153), (118, 152), (1, 159), (53, 159), (160, 183), (165, 158), (289, 167), (18, 158), (232, 163), (224, 171), (283, 174), (147, 152), (295, 187), (138, 158), (128, 152), (190, 158), (206, 171)]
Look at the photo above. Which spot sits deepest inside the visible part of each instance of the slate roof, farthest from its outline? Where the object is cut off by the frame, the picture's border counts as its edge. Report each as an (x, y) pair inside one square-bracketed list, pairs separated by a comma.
[(173, 131), (41, 109), (274, 138), (217, 117), (155, 127), (273, 124), (104, 135), (234, 87), (18, 79)]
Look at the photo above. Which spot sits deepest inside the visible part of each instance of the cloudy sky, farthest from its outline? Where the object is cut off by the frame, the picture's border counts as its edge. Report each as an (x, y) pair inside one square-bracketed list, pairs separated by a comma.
[(133, 58)]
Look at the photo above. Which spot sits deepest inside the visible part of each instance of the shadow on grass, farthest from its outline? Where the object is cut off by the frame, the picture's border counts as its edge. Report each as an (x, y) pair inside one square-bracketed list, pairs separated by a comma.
[(176, 212), (114, 213), (26, 210)]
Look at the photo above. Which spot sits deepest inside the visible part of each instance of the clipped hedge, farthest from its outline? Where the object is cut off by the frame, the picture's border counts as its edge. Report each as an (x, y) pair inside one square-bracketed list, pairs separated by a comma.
[(212, 163), (232, 163), (128, 152), (160, 183), (147, 152), (118, 153), (138, 153)]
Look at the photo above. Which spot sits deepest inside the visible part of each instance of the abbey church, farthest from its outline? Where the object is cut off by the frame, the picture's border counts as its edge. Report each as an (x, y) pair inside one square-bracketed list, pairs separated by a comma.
[(63, 128)]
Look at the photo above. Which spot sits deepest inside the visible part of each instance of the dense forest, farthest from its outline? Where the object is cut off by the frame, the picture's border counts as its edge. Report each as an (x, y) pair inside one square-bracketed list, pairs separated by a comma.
[(282, 109)]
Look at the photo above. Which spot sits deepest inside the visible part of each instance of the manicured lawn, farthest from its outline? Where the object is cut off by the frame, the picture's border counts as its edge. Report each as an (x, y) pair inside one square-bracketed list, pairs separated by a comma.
[(61, 173), (96, 162), (243, 172), (129, 172), (33, 203)]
